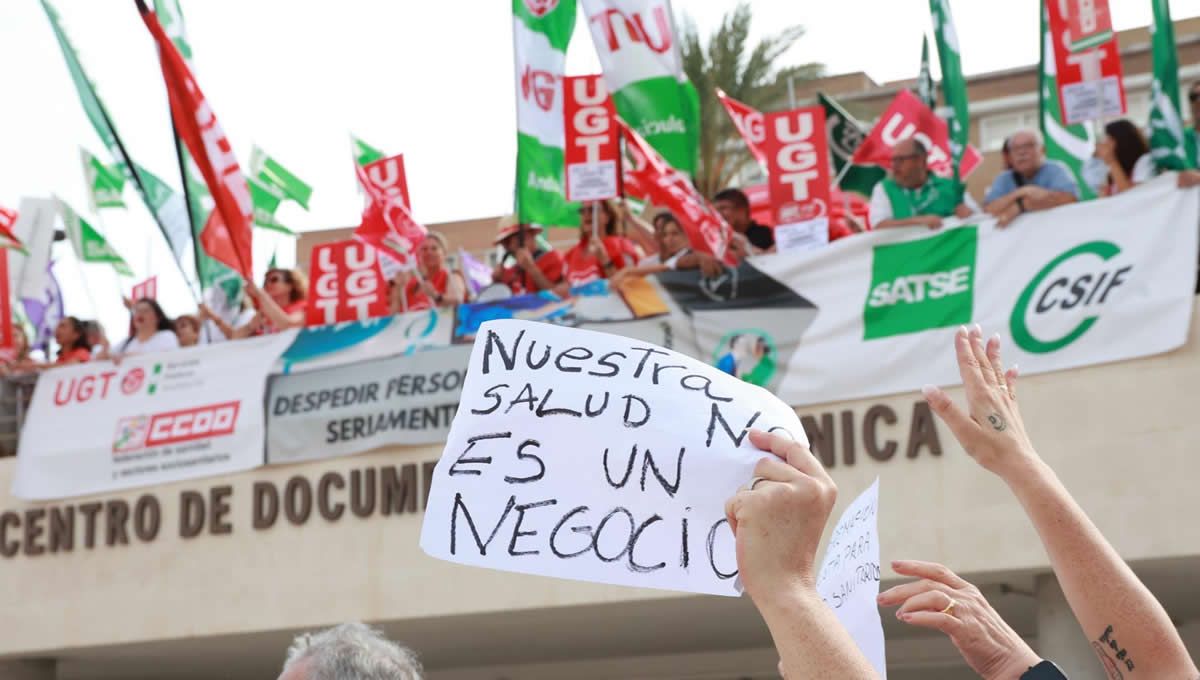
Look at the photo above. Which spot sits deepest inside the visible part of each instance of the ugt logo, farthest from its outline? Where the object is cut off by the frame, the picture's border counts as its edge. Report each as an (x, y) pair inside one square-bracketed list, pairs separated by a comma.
[(540, 8), (540, 85), (634, 28)]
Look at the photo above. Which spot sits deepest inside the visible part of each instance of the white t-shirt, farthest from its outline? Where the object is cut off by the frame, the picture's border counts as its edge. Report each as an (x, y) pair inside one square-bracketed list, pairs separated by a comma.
[(1144, 169), (161, 341), (881, 206)]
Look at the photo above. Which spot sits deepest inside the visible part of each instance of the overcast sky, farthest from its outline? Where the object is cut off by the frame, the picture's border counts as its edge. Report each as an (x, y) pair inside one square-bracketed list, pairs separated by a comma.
[(432, 79)]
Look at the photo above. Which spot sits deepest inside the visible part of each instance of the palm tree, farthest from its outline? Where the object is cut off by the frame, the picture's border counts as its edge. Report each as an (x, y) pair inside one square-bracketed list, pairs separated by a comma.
[(747, 73)]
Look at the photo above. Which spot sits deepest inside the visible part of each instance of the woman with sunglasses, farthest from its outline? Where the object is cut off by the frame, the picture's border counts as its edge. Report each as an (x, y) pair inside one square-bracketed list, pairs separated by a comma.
[(280, 303)]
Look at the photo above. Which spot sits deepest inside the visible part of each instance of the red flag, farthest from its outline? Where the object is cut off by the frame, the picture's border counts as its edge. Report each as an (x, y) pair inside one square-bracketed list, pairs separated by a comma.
[(1090, 79), (797, 164), (147, 289), (908, 117), (226, 236), (671, 189), (387, 224), (347, 284), (7, 346), (7, 238), (592, 150), (749, 124)]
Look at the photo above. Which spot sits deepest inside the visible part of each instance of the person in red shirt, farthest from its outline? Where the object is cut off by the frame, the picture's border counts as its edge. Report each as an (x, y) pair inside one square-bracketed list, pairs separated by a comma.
[(598, 258), (437, 284), (535, 269), (71, 336)]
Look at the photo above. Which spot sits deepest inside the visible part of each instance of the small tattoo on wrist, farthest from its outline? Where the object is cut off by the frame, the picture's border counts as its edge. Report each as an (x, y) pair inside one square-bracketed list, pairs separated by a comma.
[(1112, 654), (997, 422)]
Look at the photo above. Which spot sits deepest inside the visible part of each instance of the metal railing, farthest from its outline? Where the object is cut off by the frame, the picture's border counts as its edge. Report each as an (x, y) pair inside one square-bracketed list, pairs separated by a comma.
[(15, 393)]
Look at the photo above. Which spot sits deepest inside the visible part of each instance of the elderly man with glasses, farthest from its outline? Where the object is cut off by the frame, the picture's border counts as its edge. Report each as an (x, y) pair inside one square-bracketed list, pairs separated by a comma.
[(913, 196), (1032, 183)]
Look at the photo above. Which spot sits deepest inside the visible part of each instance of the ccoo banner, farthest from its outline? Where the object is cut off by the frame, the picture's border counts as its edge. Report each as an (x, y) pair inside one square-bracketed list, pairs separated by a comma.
[(155, 418), (343, 410)]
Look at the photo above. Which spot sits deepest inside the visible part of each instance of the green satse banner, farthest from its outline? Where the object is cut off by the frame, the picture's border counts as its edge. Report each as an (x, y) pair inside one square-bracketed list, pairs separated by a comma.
[(1171, 146), (541, 33), (1071, 145)]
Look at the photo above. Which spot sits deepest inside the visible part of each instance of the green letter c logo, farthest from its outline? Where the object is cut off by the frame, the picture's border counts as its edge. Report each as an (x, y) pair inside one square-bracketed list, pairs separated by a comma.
[(1105, 250)]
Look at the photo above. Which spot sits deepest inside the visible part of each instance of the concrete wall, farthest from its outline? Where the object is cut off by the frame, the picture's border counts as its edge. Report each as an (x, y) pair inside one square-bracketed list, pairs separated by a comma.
[(1121, 436)]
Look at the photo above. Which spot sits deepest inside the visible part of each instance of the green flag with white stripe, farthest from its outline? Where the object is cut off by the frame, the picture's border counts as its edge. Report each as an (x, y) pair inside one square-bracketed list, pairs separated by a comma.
[(89, 245), (272, 175), (1171, 146), (954, 85), (105, 184), (1071, 145), (541, 33), (364, 154), (639, 52)]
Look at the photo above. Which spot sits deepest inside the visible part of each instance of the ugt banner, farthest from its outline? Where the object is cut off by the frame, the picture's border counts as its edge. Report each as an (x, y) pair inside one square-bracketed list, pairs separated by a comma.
[(592, 148), (1087, 60), (343, 410), (908, 117), (155, 418), (347, 284), (797, 165)]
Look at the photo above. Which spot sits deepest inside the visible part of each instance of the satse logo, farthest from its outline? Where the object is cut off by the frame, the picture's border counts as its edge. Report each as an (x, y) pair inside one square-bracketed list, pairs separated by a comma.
[(1067, 288), (540, 8), (175, 427), (633, 29), (920, 285), (539, 86)]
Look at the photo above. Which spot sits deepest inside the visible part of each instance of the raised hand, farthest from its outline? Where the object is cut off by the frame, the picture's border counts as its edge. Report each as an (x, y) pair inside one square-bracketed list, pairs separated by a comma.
[(991, 429)]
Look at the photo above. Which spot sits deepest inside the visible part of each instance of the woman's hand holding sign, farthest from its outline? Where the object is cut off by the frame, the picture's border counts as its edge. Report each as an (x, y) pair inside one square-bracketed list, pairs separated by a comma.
[(777, 520)]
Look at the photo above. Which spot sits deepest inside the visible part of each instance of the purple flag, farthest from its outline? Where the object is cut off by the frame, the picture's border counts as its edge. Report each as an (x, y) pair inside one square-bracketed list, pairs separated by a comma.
[(477, 274), (45, 313)]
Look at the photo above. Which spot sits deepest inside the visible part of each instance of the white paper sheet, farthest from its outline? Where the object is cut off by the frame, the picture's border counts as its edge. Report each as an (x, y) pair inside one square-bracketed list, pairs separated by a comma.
[(596, 457), (849, 577)]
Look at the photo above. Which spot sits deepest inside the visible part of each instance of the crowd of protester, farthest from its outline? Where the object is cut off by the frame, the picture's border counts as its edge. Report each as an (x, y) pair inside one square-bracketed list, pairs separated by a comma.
[(616, 245), (778, 519)]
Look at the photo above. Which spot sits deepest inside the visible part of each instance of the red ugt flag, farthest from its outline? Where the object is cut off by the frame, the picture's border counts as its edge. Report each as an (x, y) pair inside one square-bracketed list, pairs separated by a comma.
[(907, 116), (671, 189), (226, 236), (749, 124), (387, 223)]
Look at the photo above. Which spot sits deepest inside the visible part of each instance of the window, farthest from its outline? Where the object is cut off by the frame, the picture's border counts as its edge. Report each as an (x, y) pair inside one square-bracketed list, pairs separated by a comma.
[(993, 130)]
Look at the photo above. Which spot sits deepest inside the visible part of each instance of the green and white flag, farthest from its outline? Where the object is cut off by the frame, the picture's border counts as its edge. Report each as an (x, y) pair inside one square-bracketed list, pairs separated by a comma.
[(639, 53), (954, 85), (1071, 145), (1171, 146), (281, 181), (214, 276), (266, 201), (89, 245), (845, 134), (541, 33), (926, 88), (105, 184), (174, 225), (364, 154)]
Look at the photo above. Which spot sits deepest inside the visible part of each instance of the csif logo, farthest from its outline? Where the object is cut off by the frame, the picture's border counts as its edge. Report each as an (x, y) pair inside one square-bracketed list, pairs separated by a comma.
[(921, 285), (1070, 286), (539, 86)]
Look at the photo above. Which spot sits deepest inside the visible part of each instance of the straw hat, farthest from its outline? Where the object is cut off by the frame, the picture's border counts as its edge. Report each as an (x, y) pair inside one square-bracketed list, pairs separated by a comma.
[(508, 225)]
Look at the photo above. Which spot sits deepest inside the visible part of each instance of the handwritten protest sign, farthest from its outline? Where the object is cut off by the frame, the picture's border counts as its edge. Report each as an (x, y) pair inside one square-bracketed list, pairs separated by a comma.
[(595, 457), (849, 577)]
